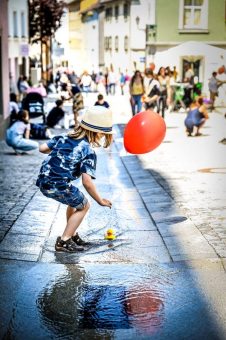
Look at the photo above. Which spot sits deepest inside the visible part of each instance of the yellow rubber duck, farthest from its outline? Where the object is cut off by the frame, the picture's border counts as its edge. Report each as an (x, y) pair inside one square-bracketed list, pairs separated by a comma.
[(110, 234)]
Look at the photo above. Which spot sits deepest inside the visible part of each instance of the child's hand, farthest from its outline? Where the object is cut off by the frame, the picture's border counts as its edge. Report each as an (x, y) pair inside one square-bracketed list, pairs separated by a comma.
[(105, 203)]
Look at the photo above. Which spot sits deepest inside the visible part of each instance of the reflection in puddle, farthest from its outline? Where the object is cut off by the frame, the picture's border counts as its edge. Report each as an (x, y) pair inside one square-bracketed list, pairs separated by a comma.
[(116, 307), (145, 308), (108, 301), (105, 300)]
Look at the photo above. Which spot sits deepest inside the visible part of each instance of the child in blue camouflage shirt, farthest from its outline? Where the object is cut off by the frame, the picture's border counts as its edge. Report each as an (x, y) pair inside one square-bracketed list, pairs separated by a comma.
[(70, 157)]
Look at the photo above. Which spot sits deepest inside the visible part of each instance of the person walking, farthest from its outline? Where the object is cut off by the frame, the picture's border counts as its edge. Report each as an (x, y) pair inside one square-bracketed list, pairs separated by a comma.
[(112, 79), (122, 82), (136, 88), (163, 79), (213, 85), (71, 156), (23, 87), (17, 135), (152, 90), (86, 82)]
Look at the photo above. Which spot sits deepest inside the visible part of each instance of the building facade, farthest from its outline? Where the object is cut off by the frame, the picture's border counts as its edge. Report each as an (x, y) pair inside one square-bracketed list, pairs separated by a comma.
[(190, 32), (4, 70), (18, 41)]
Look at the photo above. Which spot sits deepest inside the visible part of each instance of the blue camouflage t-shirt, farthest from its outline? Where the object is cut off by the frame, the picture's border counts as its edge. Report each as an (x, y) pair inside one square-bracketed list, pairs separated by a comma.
[(68, 159)]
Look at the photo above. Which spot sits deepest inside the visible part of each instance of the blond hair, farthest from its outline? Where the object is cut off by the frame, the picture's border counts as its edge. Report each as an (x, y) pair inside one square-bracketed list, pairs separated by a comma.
[(93, 137)]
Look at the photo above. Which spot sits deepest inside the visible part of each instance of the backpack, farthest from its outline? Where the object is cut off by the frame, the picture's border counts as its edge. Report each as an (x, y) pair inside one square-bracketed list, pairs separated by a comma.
[(39, 131), (154, 90)]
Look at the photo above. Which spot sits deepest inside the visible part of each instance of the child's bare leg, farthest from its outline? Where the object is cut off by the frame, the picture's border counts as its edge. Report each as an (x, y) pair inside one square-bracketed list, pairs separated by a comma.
[(69, 212), (199, 127), (74, 219)]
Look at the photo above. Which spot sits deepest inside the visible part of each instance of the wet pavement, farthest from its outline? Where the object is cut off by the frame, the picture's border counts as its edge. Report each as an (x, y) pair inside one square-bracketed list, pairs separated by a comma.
[(164, 275)]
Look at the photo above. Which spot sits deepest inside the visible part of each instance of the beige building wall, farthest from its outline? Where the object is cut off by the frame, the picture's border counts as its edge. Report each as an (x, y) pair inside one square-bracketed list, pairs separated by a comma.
[(76, 43)]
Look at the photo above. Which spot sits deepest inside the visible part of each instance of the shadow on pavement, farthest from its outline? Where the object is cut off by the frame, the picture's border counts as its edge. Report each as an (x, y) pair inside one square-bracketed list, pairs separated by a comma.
[(87, 299)]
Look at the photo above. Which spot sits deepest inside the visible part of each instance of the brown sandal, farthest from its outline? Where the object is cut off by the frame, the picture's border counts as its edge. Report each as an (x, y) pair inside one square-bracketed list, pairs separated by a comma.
[(67, 246)]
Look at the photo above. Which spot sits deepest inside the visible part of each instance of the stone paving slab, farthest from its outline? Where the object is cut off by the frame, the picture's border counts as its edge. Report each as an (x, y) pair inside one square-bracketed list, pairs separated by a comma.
[(166, 212), (143, 200)]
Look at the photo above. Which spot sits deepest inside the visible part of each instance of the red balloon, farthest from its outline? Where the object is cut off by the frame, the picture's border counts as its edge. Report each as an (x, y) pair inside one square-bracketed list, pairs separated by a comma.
[(144, 132)]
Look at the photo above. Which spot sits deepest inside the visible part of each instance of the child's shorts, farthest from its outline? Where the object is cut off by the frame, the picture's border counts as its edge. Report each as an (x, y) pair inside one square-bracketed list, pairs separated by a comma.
[(67, 194)]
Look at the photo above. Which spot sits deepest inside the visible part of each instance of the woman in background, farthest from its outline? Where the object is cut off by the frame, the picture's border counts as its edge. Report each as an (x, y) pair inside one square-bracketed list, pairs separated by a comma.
[(137, 90)]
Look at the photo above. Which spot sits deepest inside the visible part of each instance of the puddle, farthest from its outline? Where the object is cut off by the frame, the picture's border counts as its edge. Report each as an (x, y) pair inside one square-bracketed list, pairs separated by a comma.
[(107, 302), (110, 298)]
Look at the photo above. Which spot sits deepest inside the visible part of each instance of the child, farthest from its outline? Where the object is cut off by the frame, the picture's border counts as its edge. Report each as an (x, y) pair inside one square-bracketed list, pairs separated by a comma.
[(56, 114), (17, 135), (101, 102), (70, 157)]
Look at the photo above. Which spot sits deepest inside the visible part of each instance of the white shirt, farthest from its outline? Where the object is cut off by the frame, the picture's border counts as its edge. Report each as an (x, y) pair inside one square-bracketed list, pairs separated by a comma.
[(18, 128), (213, 85), (111, 77), (86, 80), (13, 107), (149, 83)]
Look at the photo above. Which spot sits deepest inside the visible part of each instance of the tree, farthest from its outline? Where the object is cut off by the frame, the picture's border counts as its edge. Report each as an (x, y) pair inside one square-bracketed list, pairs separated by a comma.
[(44, 20)]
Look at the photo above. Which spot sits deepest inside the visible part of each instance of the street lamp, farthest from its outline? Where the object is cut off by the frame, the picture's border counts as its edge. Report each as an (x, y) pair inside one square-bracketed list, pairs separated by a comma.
[(145, 30)]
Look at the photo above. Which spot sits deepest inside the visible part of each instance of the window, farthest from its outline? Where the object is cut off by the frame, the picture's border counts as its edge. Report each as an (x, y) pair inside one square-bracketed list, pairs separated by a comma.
[(108, 13), (110, 43), (15, 24), (23, 33), (116, 43), (125, 11), (193, 14), (126, 43), (116, 12), (106, 43)]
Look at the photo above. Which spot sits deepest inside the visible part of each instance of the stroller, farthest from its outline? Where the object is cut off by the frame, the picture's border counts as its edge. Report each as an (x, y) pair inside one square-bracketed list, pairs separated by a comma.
[(34, 104)]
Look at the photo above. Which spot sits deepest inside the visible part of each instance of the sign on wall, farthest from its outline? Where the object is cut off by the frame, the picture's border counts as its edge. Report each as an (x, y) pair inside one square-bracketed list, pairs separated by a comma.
[(24, 50)]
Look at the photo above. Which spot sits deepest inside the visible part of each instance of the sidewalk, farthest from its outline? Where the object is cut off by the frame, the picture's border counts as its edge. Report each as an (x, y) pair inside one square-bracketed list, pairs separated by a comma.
[(31, 222), (144, 213), (161, 256)]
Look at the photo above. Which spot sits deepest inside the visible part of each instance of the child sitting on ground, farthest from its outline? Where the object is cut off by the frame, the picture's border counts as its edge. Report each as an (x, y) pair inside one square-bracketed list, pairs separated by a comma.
[(18, 134), (101, 102), (70, 157), (56, 114)]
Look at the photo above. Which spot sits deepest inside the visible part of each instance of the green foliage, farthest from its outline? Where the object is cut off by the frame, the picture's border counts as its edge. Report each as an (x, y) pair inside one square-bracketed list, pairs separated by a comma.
[(44, 18)]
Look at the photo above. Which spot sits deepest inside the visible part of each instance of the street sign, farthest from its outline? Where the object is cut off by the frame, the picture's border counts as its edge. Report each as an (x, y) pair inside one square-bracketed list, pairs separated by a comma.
[(142, 59), (59, 51), (24, 50)]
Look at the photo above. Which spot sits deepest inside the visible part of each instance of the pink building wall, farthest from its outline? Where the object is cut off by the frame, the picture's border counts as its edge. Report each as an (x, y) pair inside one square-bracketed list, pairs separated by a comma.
[(4, 67)]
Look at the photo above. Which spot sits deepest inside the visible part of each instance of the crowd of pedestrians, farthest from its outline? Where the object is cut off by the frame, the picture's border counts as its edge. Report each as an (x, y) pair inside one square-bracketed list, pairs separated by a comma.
[(163, 90), (160, 90)]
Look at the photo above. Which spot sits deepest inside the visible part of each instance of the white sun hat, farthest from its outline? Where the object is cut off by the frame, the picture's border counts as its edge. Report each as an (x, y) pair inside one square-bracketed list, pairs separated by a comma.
[(98, 119)]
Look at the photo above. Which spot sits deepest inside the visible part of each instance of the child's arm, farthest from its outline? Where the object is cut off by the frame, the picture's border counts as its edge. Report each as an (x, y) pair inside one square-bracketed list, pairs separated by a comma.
[(43, 148), (27, 133), (92, 191), (204, 111)]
